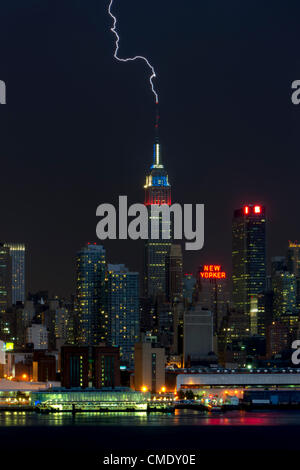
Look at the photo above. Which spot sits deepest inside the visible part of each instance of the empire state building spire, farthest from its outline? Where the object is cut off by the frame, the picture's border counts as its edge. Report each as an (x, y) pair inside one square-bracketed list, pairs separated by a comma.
[(156, 155), (157, 187)]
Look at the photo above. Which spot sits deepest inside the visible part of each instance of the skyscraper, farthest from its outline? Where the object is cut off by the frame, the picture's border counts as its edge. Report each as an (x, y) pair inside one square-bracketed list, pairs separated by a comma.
[(17, 253), (198, 335), (123, 310), (189, 283), (284, 288), (157, 191), (293, 266), (248, 254), (213, 293), (174, 287), (90, 295), (293, 258), (5, 278)]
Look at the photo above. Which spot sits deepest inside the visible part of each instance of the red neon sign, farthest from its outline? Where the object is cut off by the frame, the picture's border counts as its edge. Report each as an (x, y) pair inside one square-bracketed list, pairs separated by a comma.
[(212, 271), (257, 209), (254, 209)]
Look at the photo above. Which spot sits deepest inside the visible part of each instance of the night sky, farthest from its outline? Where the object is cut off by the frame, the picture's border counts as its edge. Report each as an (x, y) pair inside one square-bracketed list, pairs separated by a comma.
[(77, 130)]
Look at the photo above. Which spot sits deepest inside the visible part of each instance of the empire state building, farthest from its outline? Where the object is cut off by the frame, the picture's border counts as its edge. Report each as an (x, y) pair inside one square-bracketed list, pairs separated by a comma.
[(157, 191)]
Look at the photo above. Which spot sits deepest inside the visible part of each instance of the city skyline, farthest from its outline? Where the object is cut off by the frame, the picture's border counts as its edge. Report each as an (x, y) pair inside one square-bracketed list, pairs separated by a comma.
[(176, 122), (225, 141)]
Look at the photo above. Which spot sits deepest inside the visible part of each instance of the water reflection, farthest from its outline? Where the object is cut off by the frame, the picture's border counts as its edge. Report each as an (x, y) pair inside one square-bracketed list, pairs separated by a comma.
[(179, 418)]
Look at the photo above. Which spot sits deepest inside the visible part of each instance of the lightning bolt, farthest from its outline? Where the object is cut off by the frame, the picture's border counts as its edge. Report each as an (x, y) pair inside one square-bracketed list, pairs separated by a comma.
[(130, 59)]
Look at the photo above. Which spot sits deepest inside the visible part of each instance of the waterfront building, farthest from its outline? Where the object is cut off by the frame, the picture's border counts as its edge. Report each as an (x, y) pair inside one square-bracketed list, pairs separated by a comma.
[(232, 379), (44, 367), (106, 367), (149, 370), (118, 399), (75, 366)]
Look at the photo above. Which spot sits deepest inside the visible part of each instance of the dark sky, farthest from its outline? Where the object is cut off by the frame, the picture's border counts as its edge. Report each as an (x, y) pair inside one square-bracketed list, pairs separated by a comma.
[(78, 127)]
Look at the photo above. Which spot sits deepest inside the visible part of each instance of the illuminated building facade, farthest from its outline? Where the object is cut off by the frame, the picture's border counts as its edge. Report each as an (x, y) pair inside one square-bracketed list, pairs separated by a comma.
[(157, 191), (165, 331), (149, 370), (123, 310), (75, 366), (284, 288), (37, 335), (293, 258), (90, 295), (213, 293), (235, 327), (264, 311), (293, 266), (5, 278), (174, 286), (277, 338), (17, 253), (248, 255), (106, 367), (120, 399), (148, 315)]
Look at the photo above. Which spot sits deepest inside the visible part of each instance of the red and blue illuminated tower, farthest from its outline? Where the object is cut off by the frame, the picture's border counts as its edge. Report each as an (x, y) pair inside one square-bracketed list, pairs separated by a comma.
[(157, 191), (157, 187)]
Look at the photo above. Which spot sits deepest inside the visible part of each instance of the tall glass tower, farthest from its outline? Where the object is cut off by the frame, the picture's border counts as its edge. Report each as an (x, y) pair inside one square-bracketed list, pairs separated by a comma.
[(248, 255), (17, 253), (5, 278), (123, 310), (90, 295), (157, 192)]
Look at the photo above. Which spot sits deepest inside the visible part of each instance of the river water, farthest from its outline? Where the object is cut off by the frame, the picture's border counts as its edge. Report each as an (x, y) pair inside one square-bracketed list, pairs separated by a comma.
[(89, 437)]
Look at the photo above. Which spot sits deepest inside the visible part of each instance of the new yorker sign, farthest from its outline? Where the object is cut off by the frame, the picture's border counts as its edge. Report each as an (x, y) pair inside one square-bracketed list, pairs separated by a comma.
[(212, 271)]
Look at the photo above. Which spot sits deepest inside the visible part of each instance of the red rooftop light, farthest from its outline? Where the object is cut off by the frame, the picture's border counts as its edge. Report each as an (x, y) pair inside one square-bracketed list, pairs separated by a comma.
[(257, 209), (246, 210)]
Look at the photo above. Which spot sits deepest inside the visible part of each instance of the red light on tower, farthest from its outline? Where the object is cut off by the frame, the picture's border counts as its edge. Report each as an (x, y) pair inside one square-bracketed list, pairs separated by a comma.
[(257, 209), (246, 210)]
